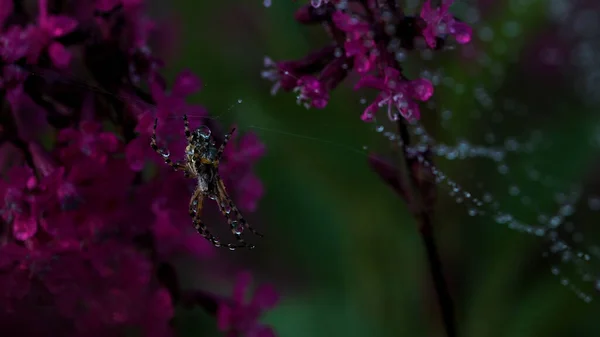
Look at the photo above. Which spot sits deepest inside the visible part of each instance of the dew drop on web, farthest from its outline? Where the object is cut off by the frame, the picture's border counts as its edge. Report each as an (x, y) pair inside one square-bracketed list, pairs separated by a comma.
[(237, 227), (203, 131)]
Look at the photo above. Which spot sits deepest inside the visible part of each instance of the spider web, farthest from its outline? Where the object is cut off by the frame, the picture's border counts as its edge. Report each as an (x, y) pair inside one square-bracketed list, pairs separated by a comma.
[(558, 206), (560, 221), (556, 227)]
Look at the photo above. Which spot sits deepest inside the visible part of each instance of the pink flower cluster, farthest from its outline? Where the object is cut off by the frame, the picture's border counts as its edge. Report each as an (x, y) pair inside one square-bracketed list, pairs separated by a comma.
[(370, 38), (89, 211), (239, 317)]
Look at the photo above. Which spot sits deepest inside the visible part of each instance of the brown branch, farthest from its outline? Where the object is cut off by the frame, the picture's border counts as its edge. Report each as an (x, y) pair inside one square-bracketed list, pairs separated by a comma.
[(422, 197), (414, 182)]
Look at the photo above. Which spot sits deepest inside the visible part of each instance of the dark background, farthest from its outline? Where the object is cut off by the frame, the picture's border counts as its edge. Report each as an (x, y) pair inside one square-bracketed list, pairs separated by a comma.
[(340, 246)]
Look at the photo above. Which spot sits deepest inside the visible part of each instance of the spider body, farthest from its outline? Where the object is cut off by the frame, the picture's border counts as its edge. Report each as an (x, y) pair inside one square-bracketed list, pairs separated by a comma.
[(201, 162), (201, 159)]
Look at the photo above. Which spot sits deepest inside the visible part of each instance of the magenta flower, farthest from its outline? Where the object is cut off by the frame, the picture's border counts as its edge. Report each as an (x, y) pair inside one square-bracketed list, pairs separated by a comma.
[(84, 229), (282, 74), (168, 217), (311, 92), (369, 38), (15, 42), (397, 94), (440, 22), (49, 28), (173, 103), (169, 110), (359, 43), (239, 317), (238, 160), (21, 209), (89, 141)]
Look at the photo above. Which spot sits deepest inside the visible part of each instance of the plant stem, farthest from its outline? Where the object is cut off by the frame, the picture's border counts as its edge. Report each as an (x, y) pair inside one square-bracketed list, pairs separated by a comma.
[(439, 282), (420, 195)]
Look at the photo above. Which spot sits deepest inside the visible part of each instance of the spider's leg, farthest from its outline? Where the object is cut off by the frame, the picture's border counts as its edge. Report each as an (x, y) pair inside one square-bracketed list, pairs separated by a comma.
[(236, 227), (165, 154), (186, 128), (195, 210), (234, 210), (203, 230), (196, 204), (225, 141)]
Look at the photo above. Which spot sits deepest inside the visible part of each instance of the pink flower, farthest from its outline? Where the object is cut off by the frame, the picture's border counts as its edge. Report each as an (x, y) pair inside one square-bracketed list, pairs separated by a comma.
[(83, 228), (158, 314), (87, 141), (15, 42), (397, 94), (168, 106), (172, 224), (236, 170), (285, 74), (239, 317), (376, 39), (440, 22), (282, 74), (359, 44), (21, 209), (311, 92), (173, 103), (50, 27)]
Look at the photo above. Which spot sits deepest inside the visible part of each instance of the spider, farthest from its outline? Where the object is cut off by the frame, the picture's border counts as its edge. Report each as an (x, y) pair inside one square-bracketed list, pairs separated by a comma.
[(201, 162)]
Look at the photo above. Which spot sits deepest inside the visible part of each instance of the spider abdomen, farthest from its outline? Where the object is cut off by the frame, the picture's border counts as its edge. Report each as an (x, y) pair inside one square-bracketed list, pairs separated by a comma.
[(207, 178), (203, 184)]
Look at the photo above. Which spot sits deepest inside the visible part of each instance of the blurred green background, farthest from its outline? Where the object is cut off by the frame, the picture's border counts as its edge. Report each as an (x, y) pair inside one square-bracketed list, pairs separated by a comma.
[(341, 248)]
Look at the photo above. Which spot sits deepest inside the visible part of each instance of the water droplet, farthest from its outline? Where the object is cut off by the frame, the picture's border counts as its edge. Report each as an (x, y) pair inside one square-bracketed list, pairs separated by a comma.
[(503, 169), (267, 3), (316, 3), (472, 212), (203, 132), (555, 221), (237, 227), (400, 56), (239, 101), (567, 210), (594, 203)]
